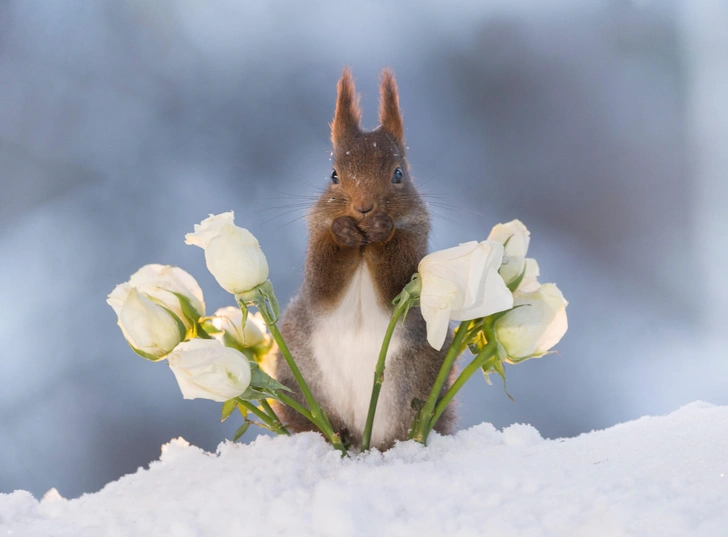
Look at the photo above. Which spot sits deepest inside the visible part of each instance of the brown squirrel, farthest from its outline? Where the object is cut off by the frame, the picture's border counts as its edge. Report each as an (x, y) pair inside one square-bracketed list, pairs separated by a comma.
[(367, 233)]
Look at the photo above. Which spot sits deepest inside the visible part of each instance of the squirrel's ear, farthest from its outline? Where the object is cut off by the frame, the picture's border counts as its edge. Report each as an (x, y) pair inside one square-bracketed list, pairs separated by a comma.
[(347, 115), (389, 115)]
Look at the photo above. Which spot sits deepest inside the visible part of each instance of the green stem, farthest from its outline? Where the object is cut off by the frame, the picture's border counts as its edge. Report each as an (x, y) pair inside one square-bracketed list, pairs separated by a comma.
[(279, 427), (415, 425), (258, 412), (296, 406), (379, 371), (318, 416), (313, 405), (429, 408), (481, 358)]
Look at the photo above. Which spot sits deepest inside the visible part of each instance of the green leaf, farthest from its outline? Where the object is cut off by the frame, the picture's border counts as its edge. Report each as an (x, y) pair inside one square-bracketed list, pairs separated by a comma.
[(252, 394), (227, 408), (267, 302), (261, 379), (410, 295), (486, 376), (244, 310), (192, 315), (487, 368), (412, 303), (146, 355), (414, 287), (230, 341), (256, 394), (205, 329), (241, 430), (512, 360), (502, 353), (207, 326), (496, 316), (201, 333), (404, 298), (498, 366), (513, 285)]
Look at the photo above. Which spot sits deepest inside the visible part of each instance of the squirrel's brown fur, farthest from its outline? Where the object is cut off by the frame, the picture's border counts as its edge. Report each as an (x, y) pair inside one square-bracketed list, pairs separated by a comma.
[(365, 219)]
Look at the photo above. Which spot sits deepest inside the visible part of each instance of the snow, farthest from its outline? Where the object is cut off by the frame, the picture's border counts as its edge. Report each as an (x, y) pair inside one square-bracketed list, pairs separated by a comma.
[(656, 476)]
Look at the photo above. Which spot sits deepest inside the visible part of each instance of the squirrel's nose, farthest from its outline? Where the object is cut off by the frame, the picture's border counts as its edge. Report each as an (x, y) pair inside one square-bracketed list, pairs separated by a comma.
[(364, 208)]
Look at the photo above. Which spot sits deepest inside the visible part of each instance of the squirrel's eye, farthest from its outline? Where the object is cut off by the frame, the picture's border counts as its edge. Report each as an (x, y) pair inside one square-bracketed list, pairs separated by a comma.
[(397, 177), (334, 177)]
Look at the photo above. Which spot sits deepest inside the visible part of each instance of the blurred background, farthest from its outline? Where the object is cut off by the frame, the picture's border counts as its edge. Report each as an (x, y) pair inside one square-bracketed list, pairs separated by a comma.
[(600, 124)]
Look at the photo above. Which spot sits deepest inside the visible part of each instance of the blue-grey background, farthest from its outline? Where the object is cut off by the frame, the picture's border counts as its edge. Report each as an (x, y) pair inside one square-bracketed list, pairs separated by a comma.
[(600, 124)]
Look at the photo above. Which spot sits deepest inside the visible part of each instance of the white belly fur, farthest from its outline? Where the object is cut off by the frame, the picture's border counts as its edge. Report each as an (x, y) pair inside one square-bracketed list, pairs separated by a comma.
[(346, 343)]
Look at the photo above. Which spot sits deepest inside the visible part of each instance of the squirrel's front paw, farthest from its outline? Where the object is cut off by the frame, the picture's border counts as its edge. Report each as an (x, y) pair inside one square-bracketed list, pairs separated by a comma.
[(378, 228), (346, 233)]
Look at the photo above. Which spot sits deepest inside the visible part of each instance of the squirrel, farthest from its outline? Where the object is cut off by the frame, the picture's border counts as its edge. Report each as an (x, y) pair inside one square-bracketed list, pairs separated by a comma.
[(367, 234)]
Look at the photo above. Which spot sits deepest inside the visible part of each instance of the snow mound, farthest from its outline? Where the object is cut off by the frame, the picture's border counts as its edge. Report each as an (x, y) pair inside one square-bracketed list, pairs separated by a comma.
[(656, 476)]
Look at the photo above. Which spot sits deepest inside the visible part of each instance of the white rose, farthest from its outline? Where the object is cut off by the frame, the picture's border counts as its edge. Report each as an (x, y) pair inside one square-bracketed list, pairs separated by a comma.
[(230, 320), (160, 283), (529, 283), (149, 327), (531, 330), (232, 253), (515, 237), (206, 369), (461, 283)]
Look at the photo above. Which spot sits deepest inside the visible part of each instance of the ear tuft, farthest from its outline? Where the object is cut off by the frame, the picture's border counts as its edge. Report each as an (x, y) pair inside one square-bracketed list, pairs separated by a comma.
[(347, 115), (389, 114)]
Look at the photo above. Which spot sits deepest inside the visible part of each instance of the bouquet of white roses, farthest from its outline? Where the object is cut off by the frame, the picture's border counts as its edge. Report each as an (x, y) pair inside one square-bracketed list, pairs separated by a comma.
[(490, 287)]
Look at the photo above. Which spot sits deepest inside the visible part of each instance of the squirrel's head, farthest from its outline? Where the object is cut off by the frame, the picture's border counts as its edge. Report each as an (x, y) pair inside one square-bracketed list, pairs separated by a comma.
[(370, 173)]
